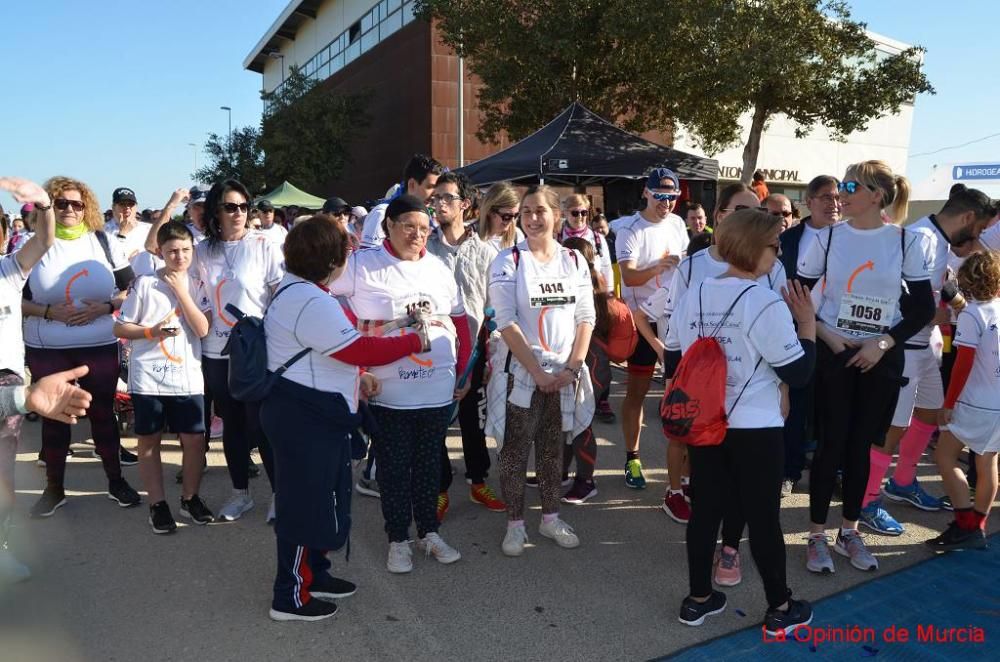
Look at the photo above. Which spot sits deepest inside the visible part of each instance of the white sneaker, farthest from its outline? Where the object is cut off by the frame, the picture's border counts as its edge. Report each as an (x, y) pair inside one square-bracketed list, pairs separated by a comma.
[(238, 504), (270, 511), (12, 571), (433, 545), (513, 542), (400, 558), (559, 531)]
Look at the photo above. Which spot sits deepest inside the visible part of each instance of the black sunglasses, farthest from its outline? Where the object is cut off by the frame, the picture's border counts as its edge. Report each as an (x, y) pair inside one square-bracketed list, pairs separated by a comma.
[(506, 217), (62, 204), (231, 207), (577, 213)]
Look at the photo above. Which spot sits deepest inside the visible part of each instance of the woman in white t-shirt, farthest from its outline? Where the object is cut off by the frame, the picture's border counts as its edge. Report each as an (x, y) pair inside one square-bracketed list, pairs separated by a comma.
[(860, 268), (68, 305), (313, 413), (539, 391), (762, 348), (387, 286), (240, 267), (576, 214)]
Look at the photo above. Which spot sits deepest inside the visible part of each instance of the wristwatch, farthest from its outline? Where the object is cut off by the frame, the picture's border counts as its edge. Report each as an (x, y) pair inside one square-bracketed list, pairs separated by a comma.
[(39, 207), (883, 344)]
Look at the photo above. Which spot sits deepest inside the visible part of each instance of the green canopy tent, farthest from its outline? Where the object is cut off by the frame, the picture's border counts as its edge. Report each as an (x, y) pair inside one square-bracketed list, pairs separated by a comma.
[(287, 195)]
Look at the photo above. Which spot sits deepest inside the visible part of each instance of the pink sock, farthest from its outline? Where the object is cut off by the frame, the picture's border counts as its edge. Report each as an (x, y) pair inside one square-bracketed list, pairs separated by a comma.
[(879, 465), (911, 447), (548, 518), (514, 523)]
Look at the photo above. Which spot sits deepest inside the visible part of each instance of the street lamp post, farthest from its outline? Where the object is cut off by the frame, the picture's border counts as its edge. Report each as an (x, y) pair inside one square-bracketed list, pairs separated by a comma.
[(229, 111)]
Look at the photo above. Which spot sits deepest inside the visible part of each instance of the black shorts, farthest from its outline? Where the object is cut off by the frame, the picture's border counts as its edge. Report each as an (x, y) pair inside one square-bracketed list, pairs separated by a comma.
[(185, 414), (644, 358)]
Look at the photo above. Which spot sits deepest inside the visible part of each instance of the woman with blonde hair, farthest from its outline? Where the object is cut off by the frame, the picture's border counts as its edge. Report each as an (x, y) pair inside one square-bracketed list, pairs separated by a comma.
[(68, 307), (860, 266)]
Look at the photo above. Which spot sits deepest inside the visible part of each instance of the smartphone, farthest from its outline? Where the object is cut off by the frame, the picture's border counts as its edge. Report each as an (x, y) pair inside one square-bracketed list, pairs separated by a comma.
[(171, 329)]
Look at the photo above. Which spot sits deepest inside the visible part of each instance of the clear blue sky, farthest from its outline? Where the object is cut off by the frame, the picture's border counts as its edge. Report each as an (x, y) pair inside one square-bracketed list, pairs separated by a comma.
[(112, 91)]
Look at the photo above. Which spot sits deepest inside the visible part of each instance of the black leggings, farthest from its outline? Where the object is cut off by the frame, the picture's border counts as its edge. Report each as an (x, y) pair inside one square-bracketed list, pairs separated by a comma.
[(853, 411), (241, 429), (746, 467)]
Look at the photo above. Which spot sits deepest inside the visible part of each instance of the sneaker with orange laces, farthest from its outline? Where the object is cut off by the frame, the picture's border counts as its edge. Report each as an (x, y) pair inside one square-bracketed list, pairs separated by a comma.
[(482, 493), (727, 567), (676, 507), (443, 503)]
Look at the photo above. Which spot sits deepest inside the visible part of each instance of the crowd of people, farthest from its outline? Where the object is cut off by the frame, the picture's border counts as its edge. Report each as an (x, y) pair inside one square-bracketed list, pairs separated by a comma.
[(505, 309)]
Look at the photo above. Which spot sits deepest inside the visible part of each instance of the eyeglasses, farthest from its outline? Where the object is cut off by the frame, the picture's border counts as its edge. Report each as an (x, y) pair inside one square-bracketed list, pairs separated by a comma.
[(445, 198), (413, 230), (783, 212), (62, 204), (828, 198), (577, 213), (664, 196), (506, 218), (851, 187), (231, 207)]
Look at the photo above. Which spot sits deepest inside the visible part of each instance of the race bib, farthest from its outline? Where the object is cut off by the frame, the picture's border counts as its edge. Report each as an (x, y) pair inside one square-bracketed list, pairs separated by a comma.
[(548, 292), (865, 315)]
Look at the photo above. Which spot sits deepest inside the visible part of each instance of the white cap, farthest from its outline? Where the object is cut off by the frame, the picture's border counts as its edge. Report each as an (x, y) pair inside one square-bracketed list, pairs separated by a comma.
[(359, 212)]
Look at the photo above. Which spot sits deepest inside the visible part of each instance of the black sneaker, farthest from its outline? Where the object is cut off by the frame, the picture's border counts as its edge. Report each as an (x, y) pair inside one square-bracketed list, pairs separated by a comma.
[(314, 610), (119, 490), (694, 613), (127, 458), (53, 499), (327, 587), (799, 613), (160, 518), (196, 510), (956, 538)]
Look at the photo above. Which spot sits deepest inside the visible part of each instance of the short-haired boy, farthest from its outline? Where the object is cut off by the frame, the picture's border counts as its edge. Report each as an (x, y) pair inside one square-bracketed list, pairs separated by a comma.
[(165, 316)]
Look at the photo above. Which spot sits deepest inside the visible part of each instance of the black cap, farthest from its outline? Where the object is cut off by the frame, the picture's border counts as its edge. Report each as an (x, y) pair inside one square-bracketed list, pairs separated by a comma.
[(336, 204), (122, 194), (196, 195), (265, 205), (405, 204)]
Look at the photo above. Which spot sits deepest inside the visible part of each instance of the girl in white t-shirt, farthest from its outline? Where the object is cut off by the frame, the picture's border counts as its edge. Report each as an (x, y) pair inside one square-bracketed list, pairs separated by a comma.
[(762, 349), (860, 268), (539, 390), (239, 267), (971, 413)]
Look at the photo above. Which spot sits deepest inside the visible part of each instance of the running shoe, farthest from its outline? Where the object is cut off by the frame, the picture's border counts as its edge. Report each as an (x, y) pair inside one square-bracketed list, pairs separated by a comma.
[(693, 613), (52, 499), (433, 545), (686, 490), (633, 475), (947, 505), (876, 518), (328, 587), (560, 532), (912, 494), (314, 610), (126, 457), (799, 613), (215, 432), (818, 557), (443, 502), (161, 519), (850, 544), (956, 538), (368, 487), (727, 567), (604, 413), (514, 541), (484, 495), (676, 506), (195, 510), (12, 571), (532, 481), (239, 503), (400, 558), (121, 492), (580, 492)]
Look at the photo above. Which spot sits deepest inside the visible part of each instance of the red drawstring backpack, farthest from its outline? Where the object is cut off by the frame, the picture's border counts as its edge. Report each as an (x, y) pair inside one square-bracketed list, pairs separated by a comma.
[(622, 335), (693, 409)]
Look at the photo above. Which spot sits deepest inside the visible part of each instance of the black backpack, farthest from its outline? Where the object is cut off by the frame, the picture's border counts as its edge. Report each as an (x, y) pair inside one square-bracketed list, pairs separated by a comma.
[(249, 379)]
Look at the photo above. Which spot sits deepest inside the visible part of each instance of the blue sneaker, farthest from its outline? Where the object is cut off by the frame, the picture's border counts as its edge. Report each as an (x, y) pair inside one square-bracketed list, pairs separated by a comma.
[(878, 520), (633, 475), (912, 494)]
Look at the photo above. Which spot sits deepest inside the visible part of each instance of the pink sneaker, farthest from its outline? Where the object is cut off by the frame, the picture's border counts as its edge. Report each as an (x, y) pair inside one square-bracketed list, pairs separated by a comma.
[(727, 567), (216, 430), (676, 507)]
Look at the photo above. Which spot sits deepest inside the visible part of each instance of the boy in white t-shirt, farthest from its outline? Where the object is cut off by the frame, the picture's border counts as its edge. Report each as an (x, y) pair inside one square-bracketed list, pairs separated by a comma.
[(165, 315)]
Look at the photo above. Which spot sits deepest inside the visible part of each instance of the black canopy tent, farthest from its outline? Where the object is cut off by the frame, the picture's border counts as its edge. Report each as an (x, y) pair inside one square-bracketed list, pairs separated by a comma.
[(581, 148)]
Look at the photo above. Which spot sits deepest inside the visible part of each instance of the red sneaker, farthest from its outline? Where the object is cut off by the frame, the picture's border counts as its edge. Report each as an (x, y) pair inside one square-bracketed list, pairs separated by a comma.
[(443, 503), (483, 494), (676, 507)]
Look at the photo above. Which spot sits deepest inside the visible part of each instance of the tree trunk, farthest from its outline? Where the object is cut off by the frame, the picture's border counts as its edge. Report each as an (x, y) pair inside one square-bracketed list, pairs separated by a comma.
[(752, 149)]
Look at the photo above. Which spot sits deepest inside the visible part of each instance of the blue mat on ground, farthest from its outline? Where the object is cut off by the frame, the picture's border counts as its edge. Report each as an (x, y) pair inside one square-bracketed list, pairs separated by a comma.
[(944, 605)]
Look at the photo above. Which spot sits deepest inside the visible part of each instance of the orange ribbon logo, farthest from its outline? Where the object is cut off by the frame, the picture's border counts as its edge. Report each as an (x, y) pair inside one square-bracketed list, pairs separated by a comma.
[(72, 279)]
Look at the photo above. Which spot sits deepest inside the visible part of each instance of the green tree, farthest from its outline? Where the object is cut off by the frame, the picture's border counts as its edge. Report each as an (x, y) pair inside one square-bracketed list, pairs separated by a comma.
[(306, 133), (244, 161)]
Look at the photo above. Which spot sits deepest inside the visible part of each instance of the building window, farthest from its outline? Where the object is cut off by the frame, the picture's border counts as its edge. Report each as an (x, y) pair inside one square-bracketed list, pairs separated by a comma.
[(354, 33)]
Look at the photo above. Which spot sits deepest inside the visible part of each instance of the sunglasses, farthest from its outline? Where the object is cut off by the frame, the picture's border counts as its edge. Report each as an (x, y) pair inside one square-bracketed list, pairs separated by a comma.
[(577, 213), (340, 212), (232, 207), (851, 187), (786, 214), (665, 196), (506, 218), (62, 204)]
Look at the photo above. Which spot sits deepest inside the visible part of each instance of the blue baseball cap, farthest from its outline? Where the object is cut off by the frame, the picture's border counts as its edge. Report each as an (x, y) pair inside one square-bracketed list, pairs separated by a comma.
[(658, 175)]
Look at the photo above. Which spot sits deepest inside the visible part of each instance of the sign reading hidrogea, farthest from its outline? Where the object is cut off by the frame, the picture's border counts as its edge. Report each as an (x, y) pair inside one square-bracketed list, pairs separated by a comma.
[(976, 171), (770, 174)]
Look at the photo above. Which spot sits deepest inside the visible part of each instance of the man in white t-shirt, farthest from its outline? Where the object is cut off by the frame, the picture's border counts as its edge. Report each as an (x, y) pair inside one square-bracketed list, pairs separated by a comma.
[(124, 226), (273, 231), (419, 178), (649, 245)]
